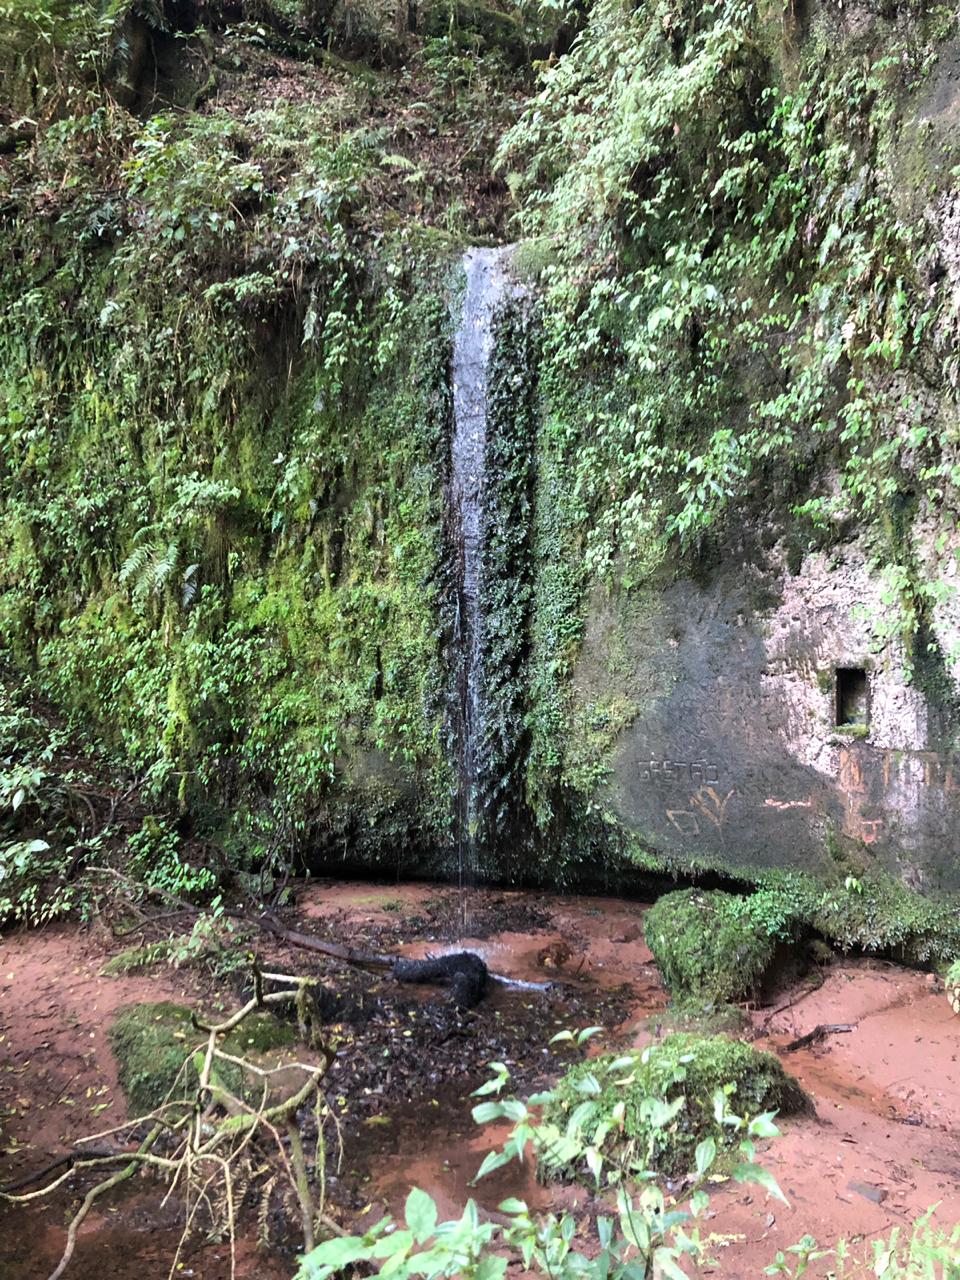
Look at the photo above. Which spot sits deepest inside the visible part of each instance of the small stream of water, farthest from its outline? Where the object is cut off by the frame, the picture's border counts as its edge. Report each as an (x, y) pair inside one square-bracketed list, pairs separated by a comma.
[(487, 281)]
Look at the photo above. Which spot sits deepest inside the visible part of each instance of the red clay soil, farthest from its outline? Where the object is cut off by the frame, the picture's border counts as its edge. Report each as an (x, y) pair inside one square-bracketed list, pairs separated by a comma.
[(883, 1148), (58, 1082)]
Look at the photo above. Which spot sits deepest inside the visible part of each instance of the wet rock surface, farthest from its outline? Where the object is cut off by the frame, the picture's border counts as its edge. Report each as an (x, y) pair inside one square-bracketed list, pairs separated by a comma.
[(463, 971)]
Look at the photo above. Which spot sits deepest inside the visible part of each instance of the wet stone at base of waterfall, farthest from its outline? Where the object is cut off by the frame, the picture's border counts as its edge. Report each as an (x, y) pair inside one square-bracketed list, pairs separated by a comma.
[(463, 971)]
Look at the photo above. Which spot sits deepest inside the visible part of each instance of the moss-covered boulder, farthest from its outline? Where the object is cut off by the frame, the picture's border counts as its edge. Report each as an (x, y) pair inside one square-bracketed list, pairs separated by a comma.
[(708, 946), (684, 1066), (153, 1042)]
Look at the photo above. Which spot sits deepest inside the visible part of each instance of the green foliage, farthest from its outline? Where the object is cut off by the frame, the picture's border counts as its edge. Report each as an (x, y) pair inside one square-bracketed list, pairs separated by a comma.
[(221, 495), (712, 947), (37, 828), (923, 1251), (715, 946), (638, 1232), (736, 314), (155, 860), (690, 1077), (224, 403), (214, 941), (871, 912), (143, 956)]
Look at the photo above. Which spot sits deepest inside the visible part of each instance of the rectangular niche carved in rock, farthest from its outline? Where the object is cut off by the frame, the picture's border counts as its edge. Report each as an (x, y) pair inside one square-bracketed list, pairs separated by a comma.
[(853, 696)]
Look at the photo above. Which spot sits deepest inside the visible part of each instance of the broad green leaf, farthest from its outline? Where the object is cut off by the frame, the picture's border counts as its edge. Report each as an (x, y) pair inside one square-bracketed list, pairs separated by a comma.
[(484, 1112), (335, 1254), (421, 1215), (395, 1242), (492, 1086), (628, 1060), (589, 1085), (492, 1160), (513, 1109), (580, 1115), (763, 1127), (491, 1267), (706, 1154), (762, 1177), (666, 1265), (513, 1206)]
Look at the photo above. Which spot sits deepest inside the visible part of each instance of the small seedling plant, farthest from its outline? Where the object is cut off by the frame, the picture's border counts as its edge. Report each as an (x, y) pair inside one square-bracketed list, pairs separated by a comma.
[(637, 1232)]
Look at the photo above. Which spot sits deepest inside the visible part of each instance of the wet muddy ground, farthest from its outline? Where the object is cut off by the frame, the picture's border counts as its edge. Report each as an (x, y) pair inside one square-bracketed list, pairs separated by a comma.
[(884, 1146)]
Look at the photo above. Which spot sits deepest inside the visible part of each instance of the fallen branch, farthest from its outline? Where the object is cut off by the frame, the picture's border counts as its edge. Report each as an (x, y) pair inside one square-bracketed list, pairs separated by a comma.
[(306, 942), (207, 1135), (819, 1032), (70, 1159), (93, 1195)]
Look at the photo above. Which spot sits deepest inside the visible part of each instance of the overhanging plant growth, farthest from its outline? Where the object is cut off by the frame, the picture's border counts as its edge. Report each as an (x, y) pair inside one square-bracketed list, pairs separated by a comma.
[(742, 308)]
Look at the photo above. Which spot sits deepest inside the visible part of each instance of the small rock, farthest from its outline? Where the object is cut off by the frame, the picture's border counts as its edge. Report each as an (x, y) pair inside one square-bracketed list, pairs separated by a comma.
[(555, 955), (876, 1195)]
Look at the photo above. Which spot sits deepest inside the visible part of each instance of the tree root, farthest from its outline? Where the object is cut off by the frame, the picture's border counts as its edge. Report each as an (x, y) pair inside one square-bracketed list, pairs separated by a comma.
[(819, 1032), (210, 1137)]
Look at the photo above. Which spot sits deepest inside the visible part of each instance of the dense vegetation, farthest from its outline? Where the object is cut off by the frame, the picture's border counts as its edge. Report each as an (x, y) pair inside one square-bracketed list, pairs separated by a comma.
[(224, 395), (685, 1072), (231, 233)]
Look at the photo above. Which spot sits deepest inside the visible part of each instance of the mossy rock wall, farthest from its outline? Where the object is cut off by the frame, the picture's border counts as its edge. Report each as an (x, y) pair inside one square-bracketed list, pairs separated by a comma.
[(743, 469), (724, 458)]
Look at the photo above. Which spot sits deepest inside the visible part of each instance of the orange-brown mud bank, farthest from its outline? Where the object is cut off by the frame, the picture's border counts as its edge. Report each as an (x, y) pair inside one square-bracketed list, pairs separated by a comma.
[(884, 1147)]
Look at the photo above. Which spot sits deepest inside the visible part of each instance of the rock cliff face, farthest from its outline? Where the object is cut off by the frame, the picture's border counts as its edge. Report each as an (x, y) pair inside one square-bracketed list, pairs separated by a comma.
[(781, 691), (774, 727), (718, 558)]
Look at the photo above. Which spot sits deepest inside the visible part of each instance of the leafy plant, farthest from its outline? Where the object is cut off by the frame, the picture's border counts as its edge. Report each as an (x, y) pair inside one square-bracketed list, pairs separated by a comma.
[(609, 1098), (709, 946), (642, 1233), (156, 861)]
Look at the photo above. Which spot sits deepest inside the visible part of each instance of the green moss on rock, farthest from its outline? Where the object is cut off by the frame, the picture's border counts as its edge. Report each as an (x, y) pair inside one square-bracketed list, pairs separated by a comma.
[(144, 956), (689, 1066), (707, 946), (152, 1042)]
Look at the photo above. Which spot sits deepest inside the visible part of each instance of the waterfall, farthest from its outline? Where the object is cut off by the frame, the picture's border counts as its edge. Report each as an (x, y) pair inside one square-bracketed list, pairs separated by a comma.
[(487, 283)]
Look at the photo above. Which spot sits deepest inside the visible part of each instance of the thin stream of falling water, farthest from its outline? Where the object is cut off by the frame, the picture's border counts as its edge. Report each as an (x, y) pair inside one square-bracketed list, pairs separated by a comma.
[(486, 283)]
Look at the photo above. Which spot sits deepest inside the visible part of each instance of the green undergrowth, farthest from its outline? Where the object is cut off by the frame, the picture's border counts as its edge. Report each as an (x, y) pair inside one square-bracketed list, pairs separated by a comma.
[(221, 511), (709, 948), (225, 405), (715, 947), (871, 912), (144, 956), (685, 1071), (216, 942), (738, 318), (225, 332), (151, 1043)]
